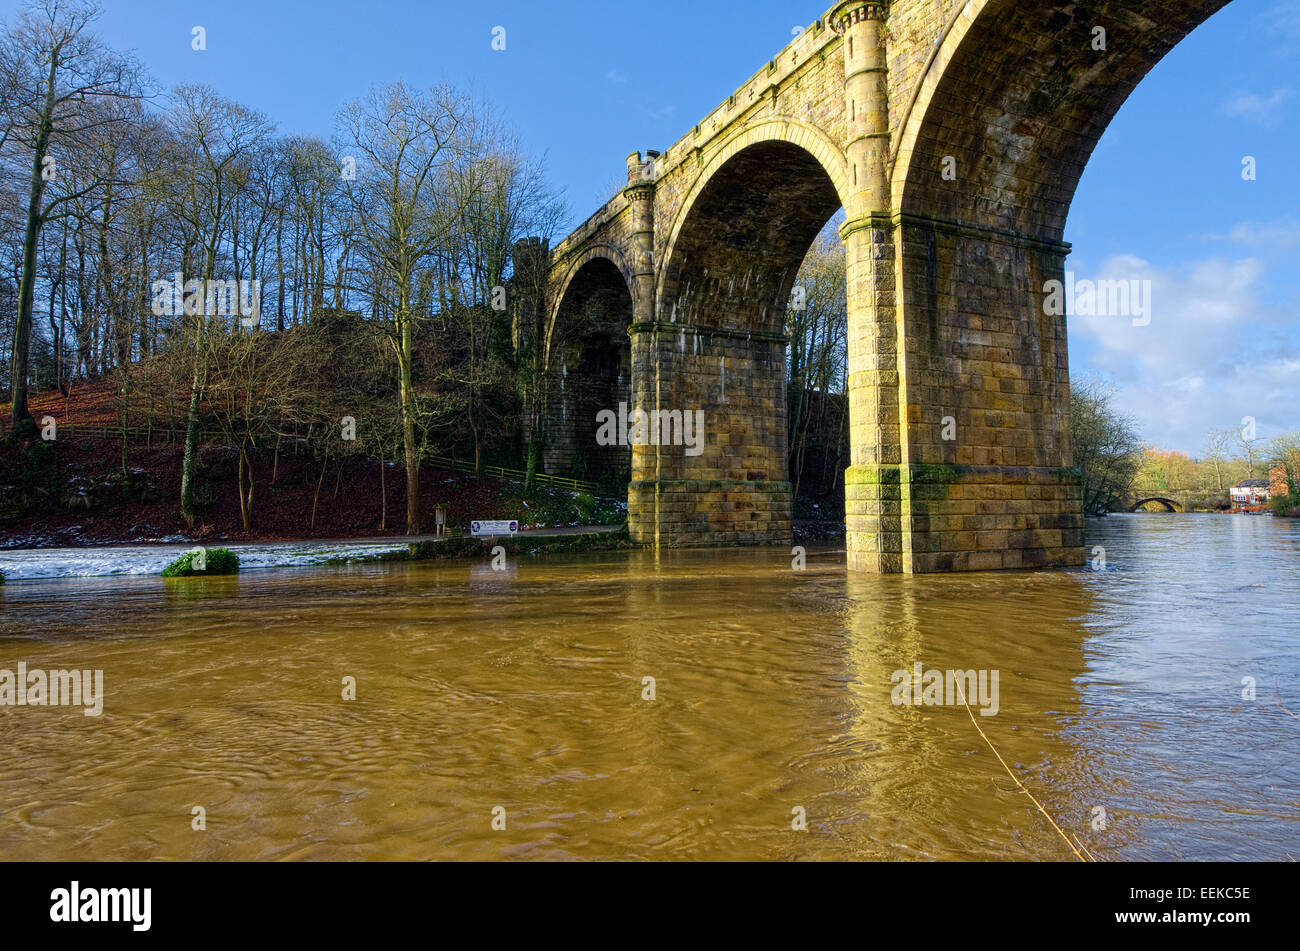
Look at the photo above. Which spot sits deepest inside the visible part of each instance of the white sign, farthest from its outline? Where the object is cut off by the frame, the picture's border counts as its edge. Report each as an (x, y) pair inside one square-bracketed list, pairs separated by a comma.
[(488, 529)]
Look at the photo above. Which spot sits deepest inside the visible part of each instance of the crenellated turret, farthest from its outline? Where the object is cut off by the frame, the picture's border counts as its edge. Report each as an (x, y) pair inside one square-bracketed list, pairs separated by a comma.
[(640, 192)]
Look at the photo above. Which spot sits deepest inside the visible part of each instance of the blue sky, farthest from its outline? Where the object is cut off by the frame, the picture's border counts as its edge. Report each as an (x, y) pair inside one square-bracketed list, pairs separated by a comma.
[(587, 81)]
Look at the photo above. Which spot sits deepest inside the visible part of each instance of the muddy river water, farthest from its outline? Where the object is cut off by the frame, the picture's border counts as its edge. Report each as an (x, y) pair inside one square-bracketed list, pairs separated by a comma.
[(692, 704)]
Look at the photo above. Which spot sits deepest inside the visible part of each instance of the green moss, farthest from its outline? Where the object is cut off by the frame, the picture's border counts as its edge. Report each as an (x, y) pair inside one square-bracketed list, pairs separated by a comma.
[(43, 468), (933, 474), (919, 473), (546, 505), (217, 561), (872, 475)]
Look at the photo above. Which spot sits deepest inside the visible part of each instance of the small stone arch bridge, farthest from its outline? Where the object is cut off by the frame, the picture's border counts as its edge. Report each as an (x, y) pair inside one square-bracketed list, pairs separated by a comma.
[(952, 134), (1170, 505)]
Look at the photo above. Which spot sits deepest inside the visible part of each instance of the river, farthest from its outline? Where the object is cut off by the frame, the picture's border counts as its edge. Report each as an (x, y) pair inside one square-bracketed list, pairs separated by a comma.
[(519, 698)]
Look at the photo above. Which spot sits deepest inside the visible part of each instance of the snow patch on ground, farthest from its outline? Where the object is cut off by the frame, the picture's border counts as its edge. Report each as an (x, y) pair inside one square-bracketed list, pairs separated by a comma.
[(39, 563)]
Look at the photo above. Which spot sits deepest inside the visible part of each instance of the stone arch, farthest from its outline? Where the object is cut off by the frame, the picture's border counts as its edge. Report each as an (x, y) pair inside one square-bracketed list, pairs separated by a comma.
[(589, 357), (714, 349), (747, 222), (1169, 504), (810, 139), (608, 252), (1016, 93)]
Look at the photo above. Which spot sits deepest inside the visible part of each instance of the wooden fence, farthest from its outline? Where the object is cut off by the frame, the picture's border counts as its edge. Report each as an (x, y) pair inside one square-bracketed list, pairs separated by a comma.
[(515, 475)]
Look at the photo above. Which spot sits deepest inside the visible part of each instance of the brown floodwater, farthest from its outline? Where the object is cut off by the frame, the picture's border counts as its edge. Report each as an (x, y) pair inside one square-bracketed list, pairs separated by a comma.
[(1118, 690)]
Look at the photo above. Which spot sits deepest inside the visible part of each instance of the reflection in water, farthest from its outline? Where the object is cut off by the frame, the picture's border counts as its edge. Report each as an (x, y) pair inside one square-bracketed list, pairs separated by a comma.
[(1025, 626), (1119, 690)]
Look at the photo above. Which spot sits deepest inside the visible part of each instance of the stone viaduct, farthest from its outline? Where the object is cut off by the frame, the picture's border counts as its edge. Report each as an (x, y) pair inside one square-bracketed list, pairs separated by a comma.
[(952, 133)]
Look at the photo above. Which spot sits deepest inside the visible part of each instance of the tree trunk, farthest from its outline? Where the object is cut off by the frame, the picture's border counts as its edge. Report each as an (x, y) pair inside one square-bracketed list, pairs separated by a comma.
[(473, 428), (20, 415), (532, 464), (126, 426), (279, 270), (408, 427), (316, 501), (245, 487), (190, 462)]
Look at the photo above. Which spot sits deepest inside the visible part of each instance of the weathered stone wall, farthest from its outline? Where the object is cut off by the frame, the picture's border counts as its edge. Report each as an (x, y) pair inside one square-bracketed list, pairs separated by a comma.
[(591, 378), (985, 432)]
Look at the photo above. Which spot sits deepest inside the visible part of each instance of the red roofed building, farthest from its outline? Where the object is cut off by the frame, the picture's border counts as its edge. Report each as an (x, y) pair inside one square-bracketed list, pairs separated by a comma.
[(1249, 495)]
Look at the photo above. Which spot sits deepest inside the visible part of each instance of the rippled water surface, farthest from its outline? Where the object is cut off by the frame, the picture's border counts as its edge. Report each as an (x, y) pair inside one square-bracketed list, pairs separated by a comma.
[(1118, 690)]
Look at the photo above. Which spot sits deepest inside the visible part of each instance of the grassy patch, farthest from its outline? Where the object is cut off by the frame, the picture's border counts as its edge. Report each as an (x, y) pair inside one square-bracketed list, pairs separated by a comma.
[(557, 508), (216, 561)]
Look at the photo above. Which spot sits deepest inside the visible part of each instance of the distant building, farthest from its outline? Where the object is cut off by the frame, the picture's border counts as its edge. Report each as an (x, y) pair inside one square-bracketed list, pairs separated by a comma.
[(1249, 492)]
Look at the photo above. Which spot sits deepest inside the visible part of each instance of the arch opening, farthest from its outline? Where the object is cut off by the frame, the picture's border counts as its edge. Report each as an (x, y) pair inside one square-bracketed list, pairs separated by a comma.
[(717, 350), (590, 359), (734, 260), (817, 371), (1165, 505), (1022, 94)]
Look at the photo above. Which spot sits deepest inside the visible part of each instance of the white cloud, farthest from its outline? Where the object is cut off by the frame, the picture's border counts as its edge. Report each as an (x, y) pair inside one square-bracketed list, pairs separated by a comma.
[(616, 78), (1282, 234), (1255, 108), (1212, 353), (1176, 413), (1189, 312), (662, 114), (1282, 23)]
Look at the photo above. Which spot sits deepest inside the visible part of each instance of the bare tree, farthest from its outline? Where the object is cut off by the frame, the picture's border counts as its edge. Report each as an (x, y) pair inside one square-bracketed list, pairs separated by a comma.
[(499, 197), (817, 322), (1284, 451), (1247, 446), (213, 136), (249, 374), (1218, 449), (62, 81), (405, 142)]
